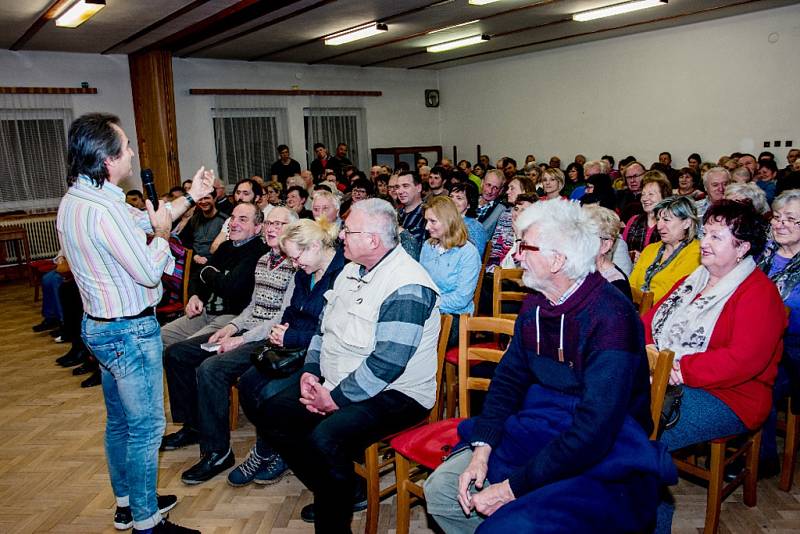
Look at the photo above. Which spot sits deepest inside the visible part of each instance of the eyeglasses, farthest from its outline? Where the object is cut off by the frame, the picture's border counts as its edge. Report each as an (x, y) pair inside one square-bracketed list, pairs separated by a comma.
[(276, 224), (524, 246), (346, 231), (628, 177), (788, 221)]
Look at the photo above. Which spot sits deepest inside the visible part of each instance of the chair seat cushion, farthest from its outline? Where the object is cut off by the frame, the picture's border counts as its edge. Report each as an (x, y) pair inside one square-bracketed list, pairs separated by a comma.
[(42, 266), (428, 445), (451, 356), (173, 307)]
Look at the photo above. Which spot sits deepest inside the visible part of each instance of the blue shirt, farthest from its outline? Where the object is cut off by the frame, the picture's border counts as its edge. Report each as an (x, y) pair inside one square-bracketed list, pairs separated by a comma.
[(455, 273), (477, 234)]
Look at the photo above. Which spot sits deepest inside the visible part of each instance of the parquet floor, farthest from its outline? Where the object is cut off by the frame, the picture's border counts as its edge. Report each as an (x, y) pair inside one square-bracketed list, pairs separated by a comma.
[(53, 475)]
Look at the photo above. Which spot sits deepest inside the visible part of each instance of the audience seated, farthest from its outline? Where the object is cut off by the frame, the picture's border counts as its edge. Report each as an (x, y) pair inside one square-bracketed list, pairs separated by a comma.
[(503, 237), (641, 230), (489, 207), (284, 166), (662, 264), (748, 192), (552, 184), (715, 180), (221, 289), (707, 319), (200, 231), (409, 199), (199, 379), (628, 199), (465, 197), (608, 223), (296, 197), (688, 182), (522, 203), (575, 181), (246, 190), (554, 426)]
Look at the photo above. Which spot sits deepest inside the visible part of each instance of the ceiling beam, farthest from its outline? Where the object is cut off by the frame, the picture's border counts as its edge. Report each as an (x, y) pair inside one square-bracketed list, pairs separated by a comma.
[(589, 33), (48, 90), (157, 24), (284, 92), (390, 18), (52, 11), (428, 30), (257, 27), (227, 19)]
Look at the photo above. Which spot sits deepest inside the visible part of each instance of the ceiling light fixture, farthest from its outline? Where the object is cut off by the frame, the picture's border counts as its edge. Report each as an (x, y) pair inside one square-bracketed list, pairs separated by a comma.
[(362, 32), (458, 43), (617, 9), (454, 26), (482, 2), (79, 13)]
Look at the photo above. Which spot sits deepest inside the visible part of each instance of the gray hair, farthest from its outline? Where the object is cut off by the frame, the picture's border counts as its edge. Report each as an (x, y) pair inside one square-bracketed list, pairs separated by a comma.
[(716, 170), (784, 198), (750, 191), (327, 194), (566, 229), (742, 171), (683, 208), (385, 218), (290, 213), (599, 165)]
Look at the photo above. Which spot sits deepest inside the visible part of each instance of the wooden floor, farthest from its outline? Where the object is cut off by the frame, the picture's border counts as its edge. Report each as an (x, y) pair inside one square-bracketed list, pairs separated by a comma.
[(53, 475)]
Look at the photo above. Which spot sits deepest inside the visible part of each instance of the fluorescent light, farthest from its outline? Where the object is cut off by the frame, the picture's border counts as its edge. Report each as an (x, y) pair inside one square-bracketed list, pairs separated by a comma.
[(458, 43), (362, 32), (617, 9), (481, 2), (454, 26), (79, 13)]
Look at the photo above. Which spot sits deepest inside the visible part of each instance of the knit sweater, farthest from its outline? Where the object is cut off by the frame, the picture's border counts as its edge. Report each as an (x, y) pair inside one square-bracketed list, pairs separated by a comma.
[(741, 361), (687, 261), (605, 366)]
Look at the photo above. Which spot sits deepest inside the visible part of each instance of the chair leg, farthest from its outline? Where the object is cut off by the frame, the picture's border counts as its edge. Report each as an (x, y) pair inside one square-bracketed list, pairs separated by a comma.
[(715, 481), (451, 383), (789, 449), (373, 488), (750, 496), (401, 469), (233, 416)]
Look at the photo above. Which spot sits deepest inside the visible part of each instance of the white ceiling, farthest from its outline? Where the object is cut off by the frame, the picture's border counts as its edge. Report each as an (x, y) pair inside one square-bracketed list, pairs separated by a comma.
[(292, 30)]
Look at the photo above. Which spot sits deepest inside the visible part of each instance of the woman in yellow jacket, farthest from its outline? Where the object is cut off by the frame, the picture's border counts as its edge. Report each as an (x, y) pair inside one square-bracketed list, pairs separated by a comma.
[(662, 264)]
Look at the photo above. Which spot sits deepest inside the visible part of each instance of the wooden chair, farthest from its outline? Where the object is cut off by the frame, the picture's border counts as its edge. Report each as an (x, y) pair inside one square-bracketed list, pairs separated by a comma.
[(233, 414), (476, 298), (421, 450), (173, 310), (379, 458), (500, 295), (642, 299), (16, 239), (790, 427), (660, 366)]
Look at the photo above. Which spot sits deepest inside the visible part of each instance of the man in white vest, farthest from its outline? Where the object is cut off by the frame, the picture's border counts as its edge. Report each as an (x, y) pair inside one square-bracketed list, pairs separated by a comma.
[(370, 371)]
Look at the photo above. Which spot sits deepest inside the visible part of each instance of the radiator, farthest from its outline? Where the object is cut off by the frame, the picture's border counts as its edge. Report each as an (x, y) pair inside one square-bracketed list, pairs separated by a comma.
[(42, 236)]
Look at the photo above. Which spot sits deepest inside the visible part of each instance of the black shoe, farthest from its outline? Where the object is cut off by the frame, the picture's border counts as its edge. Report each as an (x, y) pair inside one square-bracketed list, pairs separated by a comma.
[(86, 367), (123, 519), (95, 379), (182, 438), (72, 358), (165, 527), (47, 324), (58, 332), (209, 466), (307, 513)]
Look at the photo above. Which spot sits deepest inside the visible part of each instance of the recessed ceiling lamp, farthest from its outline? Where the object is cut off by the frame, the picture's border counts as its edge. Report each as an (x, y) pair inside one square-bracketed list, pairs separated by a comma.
[(454, 26), (362, 32), (79, 13), (458, 43), (482, 2), (617, 9)]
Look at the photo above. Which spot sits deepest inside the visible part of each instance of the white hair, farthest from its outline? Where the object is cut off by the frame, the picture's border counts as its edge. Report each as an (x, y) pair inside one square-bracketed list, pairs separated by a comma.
[(566, 229), (330, 196), (716, 170), (751, 191), (384, 216)]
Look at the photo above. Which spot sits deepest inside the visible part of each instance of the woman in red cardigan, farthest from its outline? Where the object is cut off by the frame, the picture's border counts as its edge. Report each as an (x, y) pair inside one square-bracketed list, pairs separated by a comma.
[(725, 322)]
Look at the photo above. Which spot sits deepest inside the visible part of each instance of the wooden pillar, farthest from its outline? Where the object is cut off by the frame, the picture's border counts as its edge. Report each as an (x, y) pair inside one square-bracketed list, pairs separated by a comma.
[(154, 111)]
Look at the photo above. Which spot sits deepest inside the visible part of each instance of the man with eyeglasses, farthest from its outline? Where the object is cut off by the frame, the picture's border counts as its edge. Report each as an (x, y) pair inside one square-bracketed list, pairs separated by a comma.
[(629, 199), (569, 403), (370, 371), (199, 377)]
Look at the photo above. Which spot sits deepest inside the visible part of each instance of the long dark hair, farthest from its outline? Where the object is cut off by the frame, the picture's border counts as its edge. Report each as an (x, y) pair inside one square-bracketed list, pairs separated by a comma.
[(470, 190), (92, 139)]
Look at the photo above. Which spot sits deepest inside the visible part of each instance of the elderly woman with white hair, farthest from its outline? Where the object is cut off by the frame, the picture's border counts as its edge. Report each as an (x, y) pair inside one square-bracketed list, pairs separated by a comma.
[(567, 418), (749, 192)]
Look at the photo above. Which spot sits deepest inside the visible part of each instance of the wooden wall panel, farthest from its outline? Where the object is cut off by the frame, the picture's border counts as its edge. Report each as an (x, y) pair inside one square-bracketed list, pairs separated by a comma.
[(154, 111)]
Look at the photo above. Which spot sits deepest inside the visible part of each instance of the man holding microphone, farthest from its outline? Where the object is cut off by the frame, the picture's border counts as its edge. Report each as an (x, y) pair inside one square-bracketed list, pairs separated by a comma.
[(119, 277)]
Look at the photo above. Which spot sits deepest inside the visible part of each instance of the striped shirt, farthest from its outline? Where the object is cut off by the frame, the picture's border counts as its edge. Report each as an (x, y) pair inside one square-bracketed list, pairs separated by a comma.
[(117, 272)]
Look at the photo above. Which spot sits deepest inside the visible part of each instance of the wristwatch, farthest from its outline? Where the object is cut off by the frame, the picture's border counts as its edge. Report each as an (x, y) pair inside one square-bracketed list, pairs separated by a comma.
[(189, 199)]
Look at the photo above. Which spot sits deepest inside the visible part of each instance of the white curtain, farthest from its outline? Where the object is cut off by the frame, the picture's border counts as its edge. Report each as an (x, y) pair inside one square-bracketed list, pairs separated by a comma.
[(331, 120), (247, 132), (33, 147)]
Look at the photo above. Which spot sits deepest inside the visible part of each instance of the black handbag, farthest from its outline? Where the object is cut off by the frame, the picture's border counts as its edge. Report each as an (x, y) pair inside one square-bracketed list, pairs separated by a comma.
[(278, 362), (671, 410)]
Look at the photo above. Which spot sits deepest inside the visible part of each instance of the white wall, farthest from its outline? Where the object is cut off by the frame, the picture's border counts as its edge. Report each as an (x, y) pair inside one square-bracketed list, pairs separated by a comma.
[(398, 118), (713, 87), (109, 74)]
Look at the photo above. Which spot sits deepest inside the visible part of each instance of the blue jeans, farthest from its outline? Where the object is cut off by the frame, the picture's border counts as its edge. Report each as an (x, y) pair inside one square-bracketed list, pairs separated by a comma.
[(51, 304), (129, 353)]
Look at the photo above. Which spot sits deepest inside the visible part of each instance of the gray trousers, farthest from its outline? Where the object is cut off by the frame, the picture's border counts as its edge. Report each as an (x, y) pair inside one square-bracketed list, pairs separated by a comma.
[(441, 496), (183, 328)]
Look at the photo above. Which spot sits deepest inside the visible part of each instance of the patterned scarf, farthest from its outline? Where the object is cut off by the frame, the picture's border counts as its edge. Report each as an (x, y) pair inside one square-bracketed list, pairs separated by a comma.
[(657, 266), (788, 278), (685, 321), (637, 235)]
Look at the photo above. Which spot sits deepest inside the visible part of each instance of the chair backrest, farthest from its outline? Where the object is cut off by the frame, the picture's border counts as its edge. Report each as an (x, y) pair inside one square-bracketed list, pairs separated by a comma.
[(476, 298), (187, 271), (660, 366), (441, 350), (642, 299), (499, 294), (468, 353)]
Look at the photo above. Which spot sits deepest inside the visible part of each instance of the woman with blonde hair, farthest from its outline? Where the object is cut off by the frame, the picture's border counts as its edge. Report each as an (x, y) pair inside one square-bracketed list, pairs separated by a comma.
[(609, 224), (552, 182), (450, 258)]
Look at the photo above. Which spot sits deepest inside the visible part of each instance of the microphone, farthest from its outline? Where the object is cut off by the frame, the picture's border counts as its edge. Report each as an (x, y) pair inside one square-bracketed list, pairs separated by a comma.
[(147, 183)]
